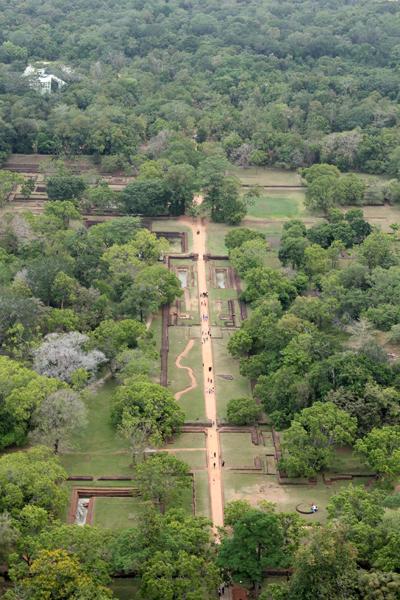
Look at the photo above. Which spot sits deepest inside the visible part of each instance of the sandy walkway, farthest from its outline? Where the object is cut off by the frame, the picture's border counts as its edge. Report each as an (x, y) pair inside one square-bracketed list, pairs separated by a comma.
[(213, 443), (193, 382)]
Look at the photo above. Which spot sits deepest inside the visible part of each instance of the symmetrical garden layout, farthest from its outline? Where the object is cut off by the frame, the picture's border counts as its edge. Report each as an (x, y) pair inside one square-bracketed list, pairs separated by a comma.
[(226, 462)]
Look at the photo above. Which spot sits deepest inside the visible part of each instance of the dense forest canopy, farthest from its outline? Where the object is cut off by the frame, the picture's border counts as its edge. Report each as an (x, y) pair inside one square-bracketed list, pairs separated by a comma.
[(284, 83)]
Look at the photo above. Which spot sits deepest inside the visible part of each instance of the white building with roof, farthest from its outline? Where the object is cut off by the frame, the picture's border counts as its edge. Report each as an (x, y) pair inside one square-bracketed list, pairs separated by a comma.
[(43, 81)]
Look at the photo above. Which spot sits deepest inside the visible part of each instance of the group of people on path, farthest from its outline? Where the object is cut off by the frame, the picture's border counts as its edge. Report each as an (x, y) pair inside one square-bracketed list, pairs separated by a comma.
[(215, 463), (206, 334)]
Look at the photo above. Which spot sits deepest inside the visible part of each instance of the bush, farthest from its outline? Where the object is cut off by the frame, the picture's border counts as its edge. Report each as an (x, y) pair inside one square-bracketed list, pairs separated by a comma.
[(243, 411), (395, 334), (65, 187), (392, 501), (384, 316)]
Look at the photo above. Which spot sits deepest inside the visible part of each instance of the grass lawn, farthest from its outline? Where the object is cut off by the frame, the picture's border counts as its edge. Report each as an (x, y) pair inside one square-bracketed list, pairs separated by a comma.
[(97, 449), (126, 588), (272, 205), (347, 461), (238, 450), (215, 242), (98, 464), (186, 502), (201, 493), (117, 513), (265, 176), (189, 440), (224, 364), (196, 459), (192, 402)]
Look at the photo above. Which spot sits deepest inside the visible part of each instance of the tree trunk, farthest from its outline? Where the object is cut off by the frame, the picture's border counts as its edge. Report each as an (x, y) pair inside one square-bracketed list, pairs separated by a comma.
[(56, 445)]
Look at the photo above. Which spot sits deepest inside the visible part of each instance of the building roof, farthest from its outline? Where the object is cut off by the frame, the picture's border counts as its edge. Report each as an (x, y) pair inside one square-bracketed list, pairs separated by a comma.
[(41, 75)]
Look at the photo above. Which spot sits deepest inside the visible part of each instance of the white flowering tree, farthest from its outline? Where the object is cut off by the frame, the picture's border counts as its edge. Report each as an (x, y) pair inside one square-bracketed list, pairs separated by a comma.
[(61, 354)]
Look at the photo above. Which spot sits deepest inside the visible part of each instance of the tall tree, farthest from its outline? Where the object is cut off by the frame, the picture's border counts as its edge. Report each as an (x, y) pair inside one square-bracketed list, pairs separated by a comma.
[(380, 449), (255, 544), (164, 479), (58, 417), (361, 512), (171, 576), (312, 437), (35, 477), (150, 198), (56, 574), (147, 406), (325, 568), (65, 187)]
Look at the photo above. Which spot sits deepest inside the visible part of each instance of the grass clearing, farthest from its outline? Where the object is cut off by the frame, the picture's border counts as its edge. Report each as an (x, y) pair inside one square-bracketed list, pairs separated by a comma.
[(189, 440), (98, 464), (192, 402), (117, 513), (238, 451), (99, 434), (202, 494), (265, 176), (225, 365), (98, 449), (215, 242), (272, 205), (196, 459), (347, 461)]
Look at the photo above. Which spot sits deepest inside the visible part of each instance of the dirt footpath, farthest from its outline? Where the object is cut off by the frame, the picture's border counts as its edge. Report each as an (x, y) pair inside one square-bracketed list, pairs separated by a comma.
[(213, 442)]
